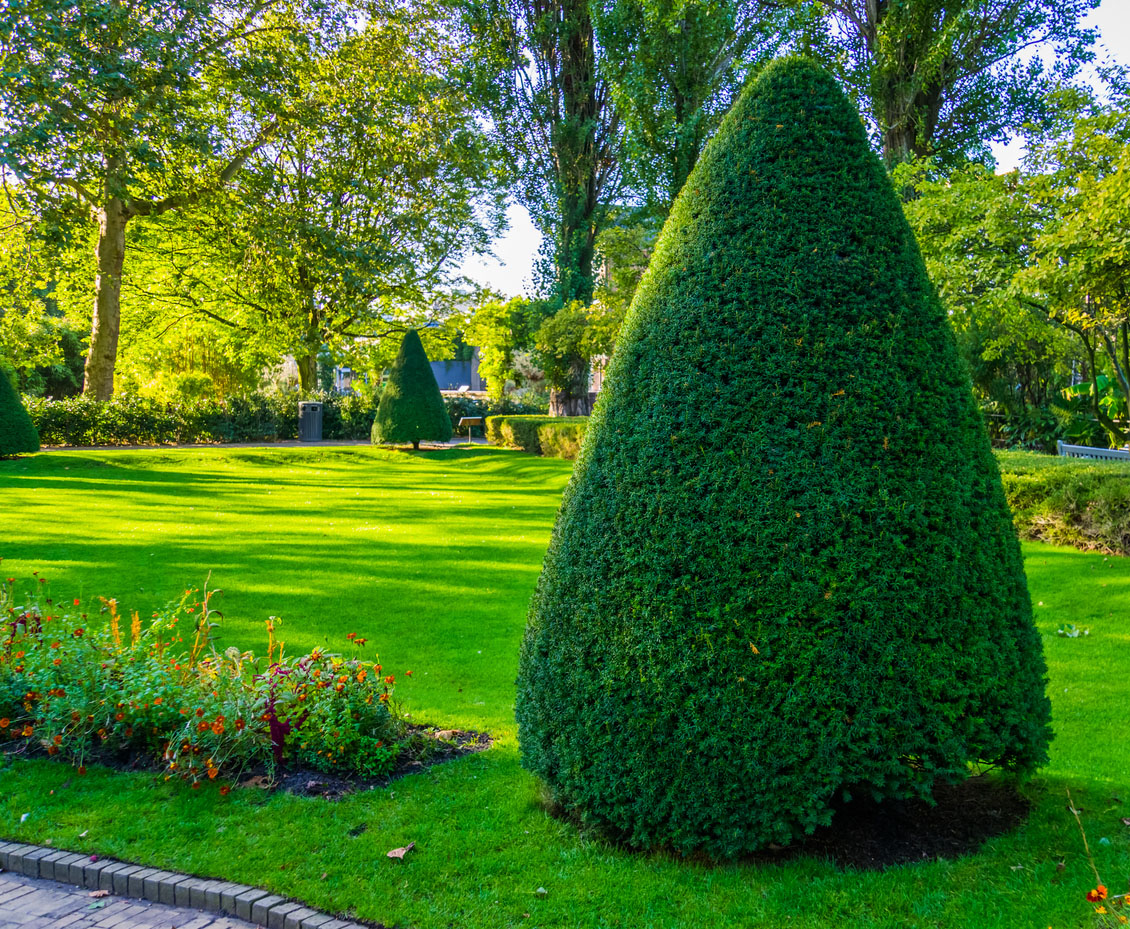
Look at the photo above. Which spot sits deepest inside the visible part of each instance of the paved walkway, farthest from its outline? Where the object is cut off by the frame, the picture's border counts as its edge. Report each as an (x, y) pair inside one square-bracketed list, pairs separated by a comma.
[(28, 903)]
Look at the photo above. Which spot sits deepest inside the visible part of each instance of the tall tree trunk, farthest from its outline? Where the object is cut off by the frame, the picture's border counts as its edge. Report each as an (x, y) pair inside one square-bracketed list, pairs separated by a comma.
[(576, 152), (110, 253), (307, 371)]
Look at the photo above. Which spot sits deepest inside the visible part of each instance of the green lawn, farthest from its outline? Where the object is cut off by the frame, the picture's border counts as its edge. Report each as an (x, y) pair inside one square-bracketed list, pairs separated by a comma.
[(432, 558)]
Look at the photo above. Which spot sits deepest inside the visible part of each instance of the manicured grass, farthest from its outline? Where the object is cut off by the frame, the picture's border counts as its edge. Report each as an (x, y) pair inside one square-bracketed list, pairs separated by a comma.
[(433, 558)]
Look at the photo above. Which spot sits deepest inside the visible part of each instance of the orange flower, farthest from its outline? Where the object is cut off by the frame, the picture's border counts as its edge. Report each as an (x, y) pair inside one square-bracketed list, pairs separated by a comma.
[(52, 750), (199, 712), (239, 724), (157, 701), (4, 722), (1099, 893), (407, 673), (58, 740), (218, 727), (390, 678), (57, 661), (225, 790), (119, 716)]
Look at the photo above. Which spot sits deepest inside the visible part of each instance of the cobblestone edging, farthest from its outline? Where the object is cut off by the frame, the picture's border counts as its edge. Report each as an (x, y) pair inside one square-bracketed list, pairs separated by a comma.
[(129, 880)]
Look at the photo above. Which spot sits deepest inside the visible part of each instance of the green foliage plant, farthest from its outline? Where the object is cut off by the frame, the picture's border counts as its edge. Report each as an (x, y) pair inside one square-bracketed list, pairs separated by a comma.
[(1069, 501), (411, 408), (551, 436), (85, 688), (784, 573), (18, 435)]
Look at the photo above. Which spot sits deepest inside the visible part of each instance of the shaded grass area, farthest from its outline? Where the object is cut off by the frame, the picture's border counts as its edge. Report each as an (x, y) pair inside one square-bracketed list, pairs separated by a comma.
[(433, 559)]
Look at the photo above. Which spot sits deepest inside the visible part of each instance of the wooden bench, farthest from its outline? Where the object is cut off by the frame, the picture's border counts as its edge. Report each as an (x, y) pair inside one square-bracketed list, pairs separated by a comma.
[(470, 421), (1086, 451)]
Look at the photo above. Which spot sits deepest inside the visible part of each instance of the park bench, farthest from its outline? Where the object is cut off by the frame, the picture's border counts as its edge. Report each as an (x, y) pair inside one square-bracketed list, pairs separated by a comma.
[(1087, 451)]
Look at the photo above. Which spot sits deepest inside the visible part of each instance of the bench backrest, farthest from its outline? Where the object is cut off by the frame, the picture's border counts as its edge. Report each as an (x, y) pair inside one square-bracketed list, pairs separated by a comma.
[(1086, 451)]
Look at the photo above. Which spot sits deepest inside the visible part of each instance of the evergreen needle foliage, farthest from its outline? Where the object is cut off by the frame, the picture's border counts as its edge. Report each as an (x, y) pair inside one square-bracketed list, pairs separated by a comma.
[(411, 408), (784, 572), (17, 432)]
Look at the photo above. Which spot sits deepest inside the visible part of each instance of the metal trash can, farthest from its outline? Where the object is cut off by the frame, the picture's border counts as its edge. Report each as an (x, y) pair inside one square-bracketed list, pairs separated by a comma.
[(309, 422)]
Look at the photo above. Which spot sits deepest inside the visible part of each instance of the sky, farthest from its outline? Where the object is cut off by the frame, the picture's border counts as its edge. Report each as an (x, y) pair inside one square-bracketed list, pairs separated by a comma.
[(510, 271)]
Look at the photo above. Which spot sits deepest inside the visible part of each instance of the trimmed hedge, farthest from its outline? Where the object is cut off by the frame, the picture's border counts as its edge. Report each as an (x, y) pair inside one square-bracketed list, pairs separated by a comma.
[(552, 436), (17, 432), (784, 573), (259, 417), (411, 408), (1069, 501)]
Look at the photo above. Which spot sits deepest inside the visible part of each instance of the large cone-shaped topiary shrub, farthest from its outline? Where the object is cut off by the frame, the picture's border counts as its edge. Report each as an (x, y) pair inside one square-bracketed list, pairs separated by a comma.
[(18, 434), (411, 407), (784, 573)]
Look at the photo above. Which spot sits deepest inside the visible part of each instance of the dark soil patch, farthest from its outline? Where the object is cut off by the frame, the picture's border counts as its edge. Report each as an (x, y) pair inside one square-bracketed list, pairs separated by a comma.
[(309, 783), (871, 836), (425, 746)]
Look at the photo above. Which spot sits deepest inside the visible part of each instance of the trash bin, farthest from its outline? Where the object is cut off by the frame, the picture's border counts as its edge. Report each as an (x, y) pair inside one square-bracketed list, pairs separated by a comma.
[(309, 422)]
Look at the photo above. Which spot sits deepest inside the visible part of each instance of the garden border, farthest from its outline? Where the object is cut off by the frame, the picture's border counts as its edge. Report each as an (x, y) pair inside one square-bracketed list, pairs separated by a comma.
[(124, 879)]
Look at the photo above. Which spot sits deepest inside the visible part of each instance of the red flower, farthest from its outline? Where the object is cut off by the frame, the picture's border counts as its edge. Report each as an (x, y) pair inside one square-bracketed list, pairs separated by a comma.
[(351, 636), (225, 790), (1099, 893), (76, 601)]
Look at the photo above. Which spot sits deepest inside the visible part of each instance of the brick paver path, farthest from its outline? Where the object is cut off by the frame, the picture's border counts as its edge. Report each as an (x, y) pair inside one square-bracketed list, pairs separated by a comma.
[(27, 903)]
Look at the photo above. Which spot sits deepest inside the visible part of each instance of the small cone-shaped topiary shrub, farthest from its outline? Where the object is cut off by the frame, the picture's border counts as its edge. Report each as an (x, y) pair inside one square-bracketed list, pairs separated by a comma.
[(411, 407), (17, 432), (784, 573)]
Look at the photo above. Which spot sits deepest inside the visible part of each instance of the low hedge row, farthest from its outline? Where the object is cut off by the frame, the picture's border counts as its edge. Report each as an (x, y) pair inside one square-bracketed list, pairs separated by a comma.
[(551, 436), (1069, 501), (257, 417)]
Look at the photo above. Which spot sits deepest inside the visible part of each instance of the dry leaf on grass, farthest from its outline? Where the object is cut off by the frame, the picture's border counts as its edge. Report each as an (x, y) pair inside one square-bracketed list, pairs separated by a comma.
[(257, 780), (100, 893), (401, 852)]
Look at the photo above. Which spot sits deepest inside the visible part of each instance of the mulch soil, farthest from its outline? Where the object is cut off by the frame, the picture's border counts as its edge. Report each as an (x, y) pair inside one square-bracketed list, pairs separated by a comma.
[(870, 836)]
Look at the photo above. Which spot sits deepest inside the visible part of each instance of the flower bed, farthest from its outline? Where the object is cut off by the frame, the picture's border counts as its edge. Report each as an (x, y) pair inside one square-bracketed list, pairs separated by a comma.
[(159, 692)]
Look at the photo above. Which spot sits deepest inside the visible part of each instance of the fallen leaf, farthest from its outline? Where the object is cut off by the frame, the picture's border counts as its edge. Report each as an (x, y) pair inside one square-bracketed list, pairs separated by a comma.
[(257, 780), (99, 893), (401, 852), (97, 905), (82, 835), (1126, 820), (446, 735)]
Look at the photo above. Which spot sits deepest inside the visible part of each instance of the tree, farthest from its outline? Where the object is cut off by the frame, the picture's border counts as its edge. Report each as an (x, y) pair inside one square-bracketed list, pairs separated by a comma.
[(943, 78), (784, 572), (503, 330), (1032, 264), (673, 68), (555, 115), (411, 407), (1078, 272), (975, 229), (18, 435), (116, 111), (344, 229)]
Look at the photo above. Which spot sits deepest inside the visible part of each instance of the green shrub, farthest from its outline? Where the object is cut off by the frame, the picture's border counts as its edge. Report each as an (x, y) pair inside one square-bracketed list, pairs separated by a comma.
[(411, 408), (17, 432), (552, 436), (784, 572), (1069, 501)]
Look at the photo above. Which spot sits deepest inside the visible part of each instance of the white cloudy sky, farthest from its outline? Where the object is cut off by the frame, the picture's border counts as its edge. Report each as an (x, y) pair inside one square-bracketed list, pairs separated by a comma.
[(510, 271)]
